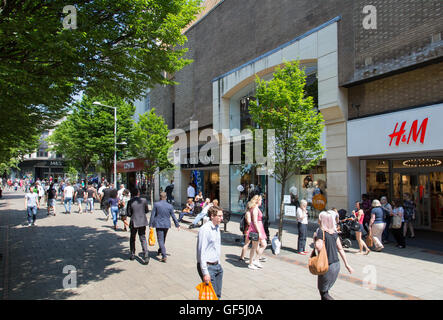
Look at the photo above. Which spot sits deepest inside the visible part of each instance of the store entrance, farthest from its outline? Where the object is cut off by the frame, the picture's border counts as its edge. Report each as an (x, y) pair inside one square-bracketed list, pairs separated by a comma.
[(425, 189)]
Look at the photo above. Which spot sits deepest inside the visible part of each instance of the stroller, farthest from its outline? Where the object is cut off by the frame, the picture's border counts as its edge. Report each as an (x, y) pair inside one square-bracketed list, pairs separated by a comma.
[(346, 225)]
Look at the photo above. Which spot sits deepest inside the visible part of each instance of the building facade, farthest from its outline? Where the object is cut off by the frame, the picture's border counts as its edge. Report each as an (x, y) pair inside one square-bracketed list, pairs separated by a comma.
[(42, 164), (367, 61)]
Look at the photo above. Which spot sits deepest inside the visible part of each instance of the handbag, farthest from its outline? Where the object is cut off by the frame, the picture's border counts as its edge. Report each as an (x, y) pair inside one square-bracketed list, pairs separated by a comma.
[(396, 222), (355, 226), (369, 240), (253, 236), (318, 264), (151, 237)]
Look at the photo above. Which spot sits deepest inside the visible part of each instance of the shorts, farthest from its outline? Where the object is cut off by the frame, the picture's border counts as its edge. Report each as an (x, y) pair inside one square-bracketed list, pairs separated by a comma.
[(51, 202)]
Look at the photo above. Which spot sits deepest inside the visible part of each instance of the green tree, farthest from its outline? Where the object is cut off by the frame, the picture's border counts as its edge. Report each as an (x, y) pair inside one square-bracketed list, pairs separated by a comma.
[(283, 105), (119, 46), (87, 134), (150, 142)]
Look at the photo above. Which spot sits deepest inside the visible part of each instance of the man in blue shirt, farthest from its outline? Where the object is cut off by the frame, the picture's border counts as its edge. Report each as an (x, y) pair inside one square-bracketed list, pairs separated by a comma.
[(208, 250)]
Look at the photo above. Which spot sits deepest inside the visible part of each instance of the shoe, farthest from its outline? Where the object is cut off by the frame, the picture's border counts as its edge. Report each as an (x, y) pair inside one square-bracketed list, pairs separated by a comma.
[(29, 224), (253, 267), (191, 226), (263, 259), (367, 252), (132, 257), (257, 264), (163, 260), (146, 260), (303, 253)]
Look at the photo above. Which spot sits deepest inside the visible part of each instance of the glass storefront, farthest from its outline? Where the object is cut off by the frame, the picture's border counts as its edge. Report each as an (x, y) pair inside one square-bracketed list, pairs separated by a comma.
[(245, 183), (307, 186), (422, 178), (207, 181)]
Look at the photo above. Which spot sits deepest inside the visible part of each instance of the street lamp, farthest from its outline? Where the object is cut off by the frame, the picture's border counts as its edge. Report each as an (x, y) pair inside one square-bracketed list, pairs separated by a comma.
[(115, 139)]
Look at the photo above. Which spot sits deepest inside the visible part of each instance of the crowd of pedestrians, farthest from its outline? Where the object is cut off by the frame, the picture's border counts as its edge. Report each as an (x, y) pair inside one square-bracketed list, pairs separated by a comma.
[(375, 219)]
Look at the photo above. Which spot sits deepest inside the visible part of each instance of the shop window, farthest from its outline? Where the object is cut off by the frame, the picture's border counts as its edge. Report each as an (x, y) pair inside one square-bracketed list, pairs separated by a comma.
[(245, 183), (307, 185), (245, 117)]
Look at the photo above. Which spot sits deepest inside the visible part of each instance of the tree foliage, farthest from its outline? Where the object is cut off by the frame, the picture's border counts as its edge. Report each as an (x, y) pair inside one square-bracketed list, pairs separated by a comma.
[(283, 105), (87, 134), (150, 142), (119, 46)]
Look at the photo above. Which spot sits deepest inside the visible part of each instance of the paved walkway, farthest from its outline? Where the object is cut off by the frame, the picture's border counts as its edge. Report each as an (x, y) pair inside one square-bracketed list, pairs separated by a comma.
[(33, 260)]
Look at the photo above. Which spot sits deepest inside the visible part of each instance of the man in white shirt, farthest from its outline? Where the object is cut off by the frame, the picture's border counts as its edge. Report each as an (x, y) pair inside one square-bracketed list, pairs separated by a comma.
[(191, 192), (68, 194), (208, 251), (120, 191)]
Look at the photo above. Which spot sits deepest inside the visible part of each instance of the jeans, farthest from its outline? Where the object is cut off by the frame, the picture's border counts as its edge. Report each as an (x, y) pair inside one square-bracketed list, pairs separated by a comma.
[(161, 238), (80, 201), (90, 204), (200, 216), (182, 214), (142, 235), (302, 231), (114, 211), (32, 214), (69, 201), (216, 273)]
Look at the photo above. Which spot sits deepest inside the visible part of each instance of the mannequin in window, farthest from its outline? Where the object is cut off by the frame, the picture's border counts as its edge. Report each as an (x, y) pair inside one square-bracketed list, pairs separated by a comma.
[(294, 196), (310, 192)]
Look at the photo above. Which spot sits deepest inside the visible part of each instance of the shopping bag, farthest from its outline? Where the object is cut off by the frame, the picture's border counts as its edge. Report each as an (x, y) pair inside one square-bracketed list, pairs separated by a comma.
[(369, 240), (206, 292), (318, 264), (151, 237)]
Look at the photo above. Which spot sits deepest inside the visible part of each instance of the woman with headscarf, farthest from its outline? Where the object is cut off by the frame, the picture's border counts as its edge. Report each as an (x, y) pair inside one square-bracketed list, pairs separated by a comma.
[(333, 246)]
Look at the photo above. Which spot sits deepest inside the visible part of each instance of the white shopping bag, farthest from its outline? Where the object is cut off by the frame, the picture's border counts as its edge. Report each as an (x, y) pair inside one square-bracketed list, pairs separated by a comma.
[(276, 245)]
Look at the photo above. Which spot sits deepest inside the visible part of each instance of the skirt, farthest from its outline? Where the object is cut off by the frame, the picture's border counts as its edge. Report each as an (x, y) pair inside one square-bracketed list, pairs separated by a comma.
[(326, 281)]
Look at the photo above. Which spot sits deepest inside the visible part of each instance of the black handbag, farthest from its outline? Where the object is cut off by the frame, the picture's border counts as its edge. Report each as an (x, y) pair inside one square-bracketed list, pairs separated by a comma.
[(355, 226), (253, 236)]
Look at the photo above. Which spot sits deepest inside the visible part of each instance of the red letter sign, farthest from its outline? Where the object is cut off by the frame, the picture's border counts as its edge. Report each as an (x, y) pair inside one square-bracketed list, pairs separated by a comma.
[(401, 137)]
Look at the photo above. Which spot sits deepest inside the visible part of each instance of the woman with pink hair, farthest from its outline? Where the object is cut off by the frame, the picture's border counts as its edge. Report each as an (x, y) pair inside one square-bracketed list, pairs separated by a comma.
[(333, 246)]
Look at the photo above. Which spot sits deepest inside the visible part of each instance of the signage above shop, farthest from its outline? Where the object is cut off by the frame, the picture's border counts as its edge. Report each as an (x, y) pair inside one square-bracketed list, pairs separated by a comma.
[(400, 136), (415, 130)]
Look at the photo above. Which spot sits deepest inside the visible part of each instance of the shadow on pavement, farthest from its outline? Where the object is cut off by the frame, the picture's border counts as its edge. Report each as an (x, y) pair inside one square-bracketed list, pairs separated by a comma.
[(40, 258)]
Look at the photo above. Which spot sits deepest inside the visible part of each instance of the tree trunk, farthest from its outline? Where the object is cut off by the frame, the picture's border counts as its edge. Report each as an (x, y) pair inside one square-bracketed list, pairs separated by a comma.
[(282, 210), (151, 191)]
